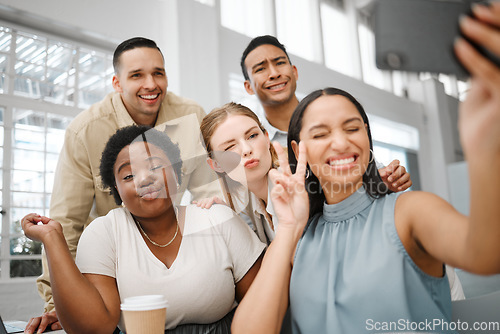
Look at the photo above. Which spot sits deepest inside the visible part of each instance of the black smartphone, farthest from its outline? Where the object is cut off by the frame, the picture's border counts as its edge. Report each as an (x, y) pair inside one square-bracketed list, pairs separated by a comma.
[(418, 35)]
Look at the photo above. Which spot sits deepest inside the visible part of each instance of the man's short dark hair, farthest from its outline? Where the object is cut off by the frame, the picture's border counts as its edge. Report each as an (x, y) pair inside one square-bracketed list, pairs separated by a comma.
[(130, 44), (255, 43)]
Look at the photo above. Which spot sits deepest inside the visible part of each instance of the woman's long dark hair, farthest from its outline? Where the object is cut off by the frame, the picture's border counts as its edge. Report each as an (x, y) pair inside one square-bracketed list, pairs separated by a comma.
[(372, 181)]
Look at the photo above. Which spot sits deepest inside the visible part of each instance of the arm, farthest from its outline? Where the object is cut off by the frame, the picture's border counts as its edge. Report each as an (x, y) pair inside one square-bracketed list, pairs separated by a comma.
[(78, 297), (471, 243), (395, 177), (245, 283), (265, 303), (71, 202)]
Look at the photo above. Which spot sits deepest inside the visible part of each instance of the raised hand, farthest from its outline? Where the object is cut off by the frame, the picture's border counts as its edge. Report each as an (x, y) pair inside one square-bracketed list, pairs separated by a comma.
[(289, 195), (479, 121), (395, 176), (35, 231)]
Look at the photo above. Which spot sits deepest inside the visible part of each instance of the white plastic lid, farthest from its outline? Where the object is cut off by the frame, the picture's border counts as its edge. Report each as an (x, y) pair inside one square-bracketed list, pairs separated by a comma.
[(146, 302)]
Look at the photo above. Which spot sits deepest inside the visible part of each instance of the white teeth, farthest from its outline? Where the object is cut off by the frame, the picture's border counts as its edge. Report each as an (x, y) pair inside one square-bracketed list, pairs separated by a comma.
[(277, 87), (149, 97), (341, 161)]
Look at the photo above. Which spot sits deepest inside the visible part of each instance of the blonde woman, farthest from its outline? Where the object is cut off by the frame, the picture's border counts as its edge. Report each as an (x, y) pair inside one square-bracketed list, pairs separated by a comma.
[(241, 153)]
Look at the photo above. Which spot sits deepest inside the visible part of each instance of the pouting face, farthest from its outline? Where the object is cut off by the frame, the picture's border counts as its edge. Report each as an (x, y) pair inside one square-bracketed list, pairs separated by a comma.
[(272, 78), (143, 176), (241, 149), (141, 81), (338, 147)]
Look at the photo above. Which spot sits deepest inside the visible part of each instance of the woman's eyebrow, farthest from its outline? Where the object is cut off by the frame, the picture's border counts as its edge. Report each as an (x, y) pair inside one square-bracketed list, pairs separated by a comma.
[(126, 164), (352, 120), (251, 129), (324, 126)]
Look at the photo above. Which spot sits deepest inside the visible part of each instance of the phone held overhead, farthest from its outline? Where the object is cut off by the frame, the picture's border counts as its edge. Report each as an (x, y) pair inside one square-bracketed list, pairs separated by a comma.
[(418, 35)]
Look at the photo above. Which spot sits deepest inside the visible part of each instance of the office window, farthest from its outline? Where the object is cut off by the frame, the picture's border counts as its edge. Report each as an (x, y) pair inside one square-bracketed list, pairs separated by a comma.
[(59, 72), (298, 28), (207, 2), (38, 74), (393, 140), (337, 41), (371, 74), (248, 17)]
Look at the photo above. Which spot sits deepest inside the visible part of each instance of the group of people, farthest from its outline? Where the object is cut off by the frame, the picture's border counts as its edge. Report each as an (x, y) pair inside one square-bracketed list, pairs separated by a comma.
[(291, 214)]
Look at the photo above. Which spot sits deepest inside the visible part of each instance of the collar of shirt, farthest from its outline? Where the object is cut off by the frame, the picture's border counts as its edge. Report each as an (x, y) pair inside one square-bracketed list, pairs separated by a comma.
[(258, 206), (275, 134)]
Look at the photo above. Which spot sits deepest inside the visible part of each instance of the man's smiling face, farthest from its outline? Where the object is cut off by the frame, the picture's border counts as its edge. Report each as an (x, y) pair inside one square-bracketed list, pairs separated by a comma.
[(272, 78), (142, 82)]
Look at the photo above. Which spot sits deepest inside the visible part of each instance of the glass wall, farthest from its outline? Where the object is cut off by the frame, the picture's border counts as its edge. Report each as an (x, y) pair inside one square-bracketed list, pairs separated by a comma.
[(44, 73), (248, 17)]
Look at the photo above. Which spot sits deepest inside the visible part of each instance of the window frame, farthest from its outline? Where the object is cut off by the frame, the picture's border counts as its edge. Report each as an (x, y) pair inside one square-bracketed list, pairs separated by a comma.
[(10, 101)]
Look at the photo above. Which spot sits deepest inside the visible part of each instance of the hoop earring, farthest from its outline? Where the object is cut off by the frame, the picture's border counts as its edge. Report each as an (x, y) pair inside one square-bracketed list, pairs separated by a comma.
[(373, 157), (308, 173)]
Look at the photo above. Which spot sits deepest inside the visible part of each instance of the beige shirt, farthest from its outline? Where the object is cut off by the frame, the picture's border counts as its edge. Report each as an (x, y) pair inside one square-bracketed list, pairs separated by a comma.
[(78, 196)]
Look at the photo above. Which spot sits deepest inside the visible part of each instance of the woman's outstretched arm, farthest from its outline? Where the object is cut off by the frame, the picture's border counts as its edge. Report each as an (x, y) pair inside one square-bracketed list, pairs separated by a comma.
[(88, 304), (471, 243)]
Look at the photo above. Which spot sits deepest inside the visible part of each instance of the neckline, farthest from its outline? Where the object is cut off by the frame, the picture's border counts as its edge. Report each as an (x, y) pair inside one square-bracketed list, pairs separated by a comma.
[(156, 260), (349, 207)]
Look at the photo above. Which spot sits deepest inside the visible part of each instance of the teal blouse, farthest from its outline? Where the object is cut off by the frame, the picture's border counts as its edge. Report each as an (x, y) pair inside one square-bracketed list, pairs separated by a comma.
[(352, 275)]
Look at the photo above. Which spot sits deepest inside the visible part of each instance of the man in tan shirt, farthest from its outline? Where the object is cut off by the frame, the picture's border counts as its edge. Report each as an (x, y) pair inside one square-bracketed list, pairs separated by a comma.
[(140, 97)]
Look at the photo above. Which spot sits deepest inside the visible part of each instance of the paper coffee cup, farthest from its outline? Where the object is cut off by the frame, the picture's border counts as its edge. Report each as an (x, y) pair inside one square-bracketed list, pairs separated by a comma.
[(144, 314)]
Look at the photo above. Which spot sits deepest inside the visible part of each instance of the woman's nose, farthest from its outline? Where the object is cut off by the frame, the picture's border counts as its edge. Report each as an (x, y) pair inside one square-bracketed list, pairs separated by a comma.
[(246, 149), (339, 142), (144, 177)]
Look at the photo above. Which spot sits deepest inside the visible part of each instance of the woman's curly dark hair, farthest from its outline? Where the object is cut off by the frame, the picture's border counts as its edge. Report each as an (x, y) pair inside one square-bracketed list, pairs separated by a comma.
[(128, 135)]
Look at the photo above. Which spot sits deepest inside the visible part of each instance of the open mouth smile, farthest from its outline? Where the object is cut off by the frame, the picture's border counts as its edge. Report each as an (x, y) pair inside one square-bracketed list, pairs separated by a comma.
[(344, 162), (277, 87), (150, 97)]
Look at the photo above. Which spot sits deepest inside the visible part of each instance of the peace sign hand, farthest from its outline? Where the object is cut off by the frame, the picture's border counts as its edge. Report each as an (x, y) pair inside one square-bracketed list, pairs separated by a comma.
[(289, 195)]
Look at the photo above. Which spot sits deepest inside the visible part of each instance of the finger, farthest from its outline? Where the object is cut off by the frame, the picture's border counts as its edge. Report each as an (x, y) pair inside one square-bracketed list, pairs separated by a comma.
[(282, 158), (481, 33), (44, 323), (487, 13), (278, 193), (405, 186), (45, 220), (394, 164), (396, 173), (56, 326), (384, 172), (32, 325), (285, 181), (476, 64), (401, 180), (302, 161), (31, 218)]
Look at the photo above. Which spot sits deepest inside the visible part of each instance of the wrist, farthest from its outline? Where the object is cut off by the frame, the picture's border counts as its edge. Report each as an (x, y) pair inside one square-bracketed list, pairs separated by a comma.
[(52, 237), (289, 232)]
